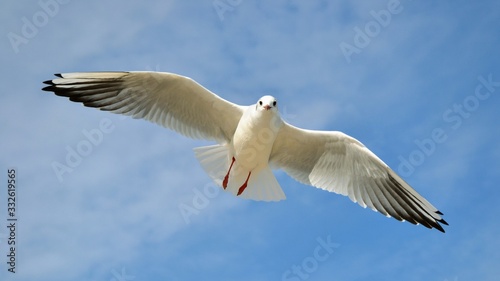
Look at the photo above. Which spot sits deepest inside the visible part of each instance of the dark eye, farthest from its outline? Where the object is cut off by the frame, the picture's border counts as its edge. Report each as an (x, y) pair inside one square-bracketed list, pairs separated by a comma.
[(274, 103), (260, 102)]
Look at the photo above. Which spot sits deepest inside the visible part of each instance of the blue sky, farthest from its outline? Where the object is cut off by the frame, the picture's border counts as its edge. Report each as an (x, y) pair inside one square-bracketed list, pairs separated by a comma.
[(414, 73)]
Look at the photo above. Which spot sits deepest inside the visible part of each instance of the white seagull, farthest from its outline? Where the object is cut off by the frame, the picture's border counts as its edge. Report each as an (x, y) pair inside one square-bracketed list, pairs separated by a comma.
[(251, 140)]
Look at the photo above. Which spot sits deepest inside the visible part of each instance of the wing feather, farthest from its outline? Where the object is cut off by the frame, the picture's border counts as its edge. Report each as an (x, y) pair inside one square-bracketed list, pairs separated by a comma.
[(173, 101), (338, 163)]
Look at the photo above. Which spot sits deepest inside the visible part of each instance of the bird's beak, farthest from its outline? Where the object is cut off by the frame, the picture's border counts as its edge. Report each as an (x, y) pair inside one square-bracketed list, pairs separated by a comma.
[(267, 107)]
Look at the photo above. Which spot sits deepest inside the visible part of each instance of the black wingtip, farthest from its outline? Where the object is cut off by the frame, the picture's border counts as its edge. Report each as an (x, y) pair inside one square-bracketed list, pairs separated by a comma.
[(440, 221), (52, 85), (48, 88), (440, 228), (438, 225)]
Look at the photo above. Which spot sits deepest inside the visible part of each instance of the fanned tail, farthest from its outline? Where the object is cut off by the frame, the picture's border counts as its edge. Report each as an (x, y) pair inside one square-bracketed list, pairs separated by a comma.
[(262, 185), (214, 159)]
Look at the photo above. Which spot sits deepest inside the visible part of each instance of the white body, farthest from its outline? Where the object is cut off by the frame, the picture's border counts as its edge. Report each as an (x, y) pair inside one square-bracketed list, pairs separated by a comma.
[(251, 149), (254, 138)]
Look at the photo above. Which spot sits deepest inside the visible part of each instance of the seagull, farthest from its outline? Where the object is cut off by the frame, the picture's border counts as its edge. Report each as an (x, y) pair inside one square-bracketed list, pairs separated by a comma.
[(252, 140)]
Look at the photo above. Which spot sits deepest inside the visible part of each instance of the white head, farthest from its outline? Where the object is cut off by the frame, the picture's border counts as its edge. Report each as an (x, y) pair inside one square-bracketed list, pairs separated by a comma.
[(267, 103)]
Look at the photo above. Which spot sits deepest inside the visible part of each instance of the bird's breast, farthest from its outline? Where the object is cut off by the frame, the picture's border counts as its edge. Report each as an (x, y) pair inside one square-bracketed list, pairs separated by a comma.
[(253, 140)]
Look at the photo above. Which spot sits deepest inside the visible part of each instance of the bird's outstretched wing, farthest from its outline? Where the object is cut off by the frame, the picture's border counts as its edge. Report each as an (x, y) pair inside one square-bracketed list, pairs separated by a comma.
[(338, 163), (173, 101)]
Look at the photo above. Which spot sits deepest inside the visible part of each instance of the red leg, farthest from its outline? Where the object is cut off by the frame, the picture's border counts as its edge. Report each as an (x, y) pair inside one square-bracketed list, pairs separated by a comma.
[(226, 178), (242, 188)]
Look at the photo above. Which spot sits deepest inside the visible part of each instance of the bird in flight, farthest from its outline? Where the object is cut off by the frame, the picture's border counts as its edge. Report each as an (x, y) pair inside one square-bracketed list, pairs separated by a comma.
[(251, 140)]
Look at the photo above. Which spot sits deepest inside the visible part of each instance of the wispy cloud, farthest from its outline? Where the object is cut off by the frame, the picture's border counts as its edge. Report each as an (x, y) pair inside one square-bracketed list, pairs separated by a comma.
[(117, 213)]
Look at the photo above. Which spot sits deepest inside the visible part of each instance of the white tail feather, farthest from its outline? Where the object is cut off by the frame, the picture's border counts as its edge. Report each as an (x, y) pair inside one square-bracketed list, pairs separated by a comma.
[(214, 160), (262, 185)]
